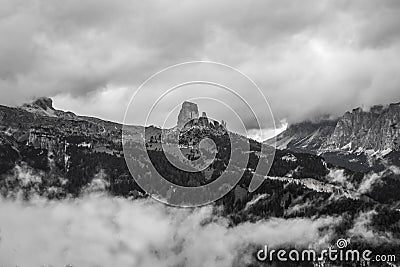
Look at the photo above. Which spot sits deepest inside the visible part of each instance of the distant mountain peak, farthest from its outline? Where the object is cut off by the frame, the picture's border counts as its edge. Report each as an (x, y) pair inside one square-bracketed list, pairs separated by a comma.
[(376, 129), (41, 106), (44, 106), (40, 102), (44, 103)]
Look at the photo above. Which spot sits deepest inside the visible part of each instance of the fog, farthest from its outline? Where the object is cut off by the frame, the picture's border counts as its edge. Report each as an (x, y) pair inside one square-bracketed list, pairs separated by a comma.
[(99, 230)]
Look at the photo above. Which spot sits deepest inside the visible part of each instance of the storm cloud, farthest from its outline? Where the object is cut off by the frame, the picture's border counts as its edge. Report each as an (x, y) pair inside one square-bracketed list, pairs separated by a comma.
[(308, 57)]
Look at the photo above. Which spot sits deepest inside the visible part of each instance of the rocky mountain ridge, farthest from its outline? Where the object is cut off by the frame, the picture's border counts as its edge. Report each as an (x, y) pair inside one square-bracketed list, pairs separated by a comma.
[(374, 131), (58, 137), (44, 106)]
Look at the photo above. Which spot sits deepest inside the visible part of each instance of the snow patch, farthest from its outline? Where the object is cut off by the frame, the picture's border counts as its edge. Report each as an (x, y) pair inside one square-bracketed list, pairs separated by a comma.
[(289, 157)]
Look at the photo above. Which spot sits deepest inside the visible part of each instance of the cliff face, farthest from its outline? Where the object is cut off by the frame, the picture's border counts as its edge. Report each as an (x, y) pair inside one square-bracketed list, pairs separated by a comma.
[(188, 112), (189, 118), (377, 129), (385, 132), (352, 128)]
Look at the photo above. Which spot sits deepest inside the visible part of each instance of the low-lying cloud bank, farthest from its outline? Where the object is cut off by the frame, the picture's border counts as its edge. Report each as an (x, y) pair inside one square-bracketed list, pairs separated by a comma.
[(99, 230)]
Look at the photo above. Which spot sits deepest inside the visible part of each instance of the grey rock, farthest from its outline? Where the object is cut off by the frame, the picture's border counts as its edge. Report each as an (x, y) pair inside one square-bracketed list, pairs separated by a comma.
[(377, 130), (189, 111)]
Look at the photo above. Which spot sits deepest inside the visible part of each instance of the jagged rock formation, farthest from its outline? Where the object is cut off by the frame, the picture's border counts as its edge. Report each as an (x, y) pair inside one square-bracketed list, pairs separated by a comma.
[(44, 103), (223, 123), (377, 130), (189, 111), (203, 120), (43, 106)]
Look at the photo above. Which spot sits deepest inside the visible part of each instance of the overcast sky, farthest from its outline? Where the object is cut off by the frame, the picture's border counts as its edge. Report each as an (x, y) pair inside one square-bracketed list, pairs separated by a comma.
[(308, 57)]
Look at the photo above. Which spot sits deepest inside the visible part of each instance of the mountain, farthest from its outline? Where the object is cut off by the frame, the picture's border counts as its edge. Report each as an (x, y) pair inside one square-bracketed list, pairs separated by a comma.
[(189, 111), (359, 140), (74, 148), (377, 129), (70, 150), (58, 155), (308, 136), (63, 143), (44, 106)]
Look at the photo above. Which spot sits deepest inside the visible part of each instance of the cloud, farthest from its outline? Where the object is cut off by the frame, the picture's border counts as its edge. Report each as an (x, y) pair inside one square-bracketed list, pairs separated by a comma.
[(366, 185), (362, 229), (338, 176), (309, 58), (368, 181), (265, 134), (98, 230), (361, 225)]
